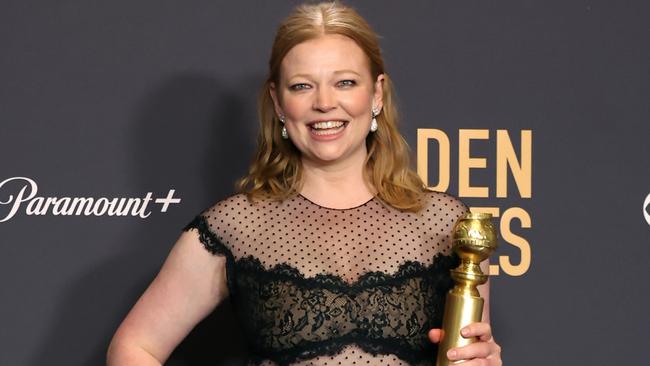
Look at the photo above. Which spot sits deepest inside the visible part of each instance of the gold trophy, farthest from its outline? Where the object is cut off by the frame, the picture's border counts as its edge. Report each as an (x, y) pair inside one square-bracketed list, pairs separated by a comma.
[(474, 239)]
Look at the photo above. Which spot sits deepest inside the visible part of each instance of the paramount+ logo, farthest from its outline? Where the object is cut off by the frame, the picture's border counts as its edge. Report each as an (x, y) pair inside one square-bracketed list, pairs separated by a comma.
[(24, 198), (646, 209)]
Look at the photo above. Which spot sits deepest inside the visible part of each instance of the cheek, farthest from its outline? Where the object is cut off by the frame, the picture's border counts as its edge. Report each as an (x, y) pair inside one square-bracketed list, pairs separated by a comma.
[(357, 104), (294, 107)]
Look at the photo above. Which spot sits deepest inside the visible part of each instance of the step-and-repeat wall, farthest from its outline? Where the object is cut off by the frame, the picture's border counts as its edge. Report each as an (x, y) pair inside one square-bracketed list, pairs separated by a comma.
[(120, 121)]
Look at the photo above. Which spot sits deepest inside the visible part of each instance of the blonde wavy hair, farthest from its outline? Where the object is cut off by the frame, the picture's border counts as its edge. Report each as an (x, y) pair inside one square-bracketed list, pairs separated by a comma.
[(276, 170)]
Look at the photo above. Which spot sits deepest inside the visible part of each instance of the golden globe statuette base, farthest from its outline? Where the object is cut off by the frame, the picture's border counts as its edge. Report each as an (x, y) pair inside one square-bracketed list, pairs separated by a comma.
[(474, 239)]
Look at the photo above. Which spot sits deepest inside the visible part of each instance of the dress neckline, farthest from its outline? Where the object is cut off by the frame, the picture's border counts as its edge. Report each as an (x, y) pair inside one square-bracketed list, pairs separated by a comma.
[(336, 209)]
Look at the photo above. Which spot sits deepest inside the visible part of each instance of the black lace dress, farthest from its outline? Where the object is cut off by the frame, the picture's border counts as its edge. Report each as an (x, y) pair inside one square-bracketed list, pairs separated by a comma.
[(318, 286)]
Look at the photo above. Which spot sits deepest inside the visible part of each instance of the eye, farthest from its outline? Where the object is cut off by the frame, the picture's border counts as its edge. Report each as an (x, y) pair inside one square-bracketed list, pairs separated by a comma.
[(347, 83), (298, 86)]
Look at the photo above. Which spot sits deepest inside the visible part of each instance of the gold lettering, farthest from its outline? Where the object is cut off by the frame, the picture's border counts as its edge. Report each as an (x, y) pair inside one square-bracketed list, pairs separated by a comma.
[(516, 240), (521, 169), (518, 163), (424, 134), (466, 162)]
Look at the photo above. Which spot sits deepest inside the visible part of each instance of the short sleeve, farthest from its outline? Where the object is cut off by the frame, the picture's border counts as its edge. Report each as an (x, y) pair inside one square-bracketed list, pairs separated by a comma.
[(212, 244)]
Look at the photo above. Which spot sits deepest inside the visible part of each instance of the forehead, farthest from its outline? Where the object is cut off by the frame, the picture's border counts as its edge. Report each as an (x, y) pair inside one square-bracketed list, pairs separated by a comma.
[(325, 54)]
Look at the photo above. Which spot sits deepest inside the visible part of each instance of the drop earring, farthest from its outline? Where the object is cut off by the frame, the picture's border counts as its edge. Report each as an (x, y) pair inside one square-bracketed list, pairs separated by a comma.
[(283, 131), (373, 124)]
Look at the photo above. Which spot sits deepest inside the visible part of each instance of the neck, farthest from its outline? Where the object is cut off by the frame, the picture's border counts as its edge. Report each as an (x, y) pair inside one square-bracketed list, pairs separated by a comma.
[(336, 185)]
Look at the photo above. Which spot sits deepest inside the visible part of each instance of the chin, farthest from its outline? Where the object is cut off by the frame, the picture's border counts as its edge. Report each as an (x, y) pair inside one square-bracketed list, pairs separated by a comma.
[(326, 158), (332, 154)]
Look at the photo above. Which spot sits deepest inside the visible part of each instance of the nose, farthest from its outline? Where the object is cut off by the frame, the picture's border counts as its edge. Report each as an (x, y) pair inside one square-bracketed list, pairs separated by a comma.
[(324, 100)]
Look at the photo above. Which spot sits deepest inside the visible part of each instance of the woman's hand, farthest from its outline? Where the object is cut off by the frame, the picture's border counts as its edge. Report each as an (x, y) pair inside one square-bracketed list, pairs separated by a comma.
[(484, 352)]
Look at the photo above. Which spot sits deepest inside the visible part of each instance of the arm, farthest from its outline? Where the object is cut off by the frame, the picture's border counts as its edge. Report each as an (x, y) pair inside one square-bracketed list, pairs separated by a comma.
[(190, 284)]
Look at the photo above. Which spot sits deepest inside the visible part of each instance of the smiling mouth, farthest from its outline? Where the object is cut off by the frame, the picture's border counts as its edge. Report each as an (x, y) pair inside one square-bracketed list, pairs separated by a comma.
[(327, 127)]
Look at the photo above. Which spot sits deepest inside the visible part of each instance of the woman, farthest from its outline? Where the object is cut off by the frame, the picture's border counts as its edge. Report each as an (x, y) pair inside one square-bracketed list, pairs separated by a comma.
[(333, 252)]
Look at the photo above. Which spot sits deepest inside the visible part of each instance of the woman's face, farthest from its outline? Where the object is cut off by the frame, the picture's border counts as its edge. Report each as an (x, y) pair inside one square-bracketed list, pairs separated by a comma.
[(326, 93)]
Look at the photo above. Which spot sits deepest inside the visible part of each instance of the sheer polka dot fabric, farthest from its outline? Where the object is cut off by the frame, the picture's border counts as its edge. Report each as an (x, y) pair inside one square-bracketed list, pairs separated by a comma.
[(322, 286), (347, 242)]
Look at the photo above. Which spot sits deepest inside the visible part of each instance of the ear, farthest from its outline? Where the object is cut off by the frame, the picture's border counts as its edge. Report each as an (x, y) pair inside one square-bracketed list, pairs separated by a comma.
[(274, 97), (378, 97)]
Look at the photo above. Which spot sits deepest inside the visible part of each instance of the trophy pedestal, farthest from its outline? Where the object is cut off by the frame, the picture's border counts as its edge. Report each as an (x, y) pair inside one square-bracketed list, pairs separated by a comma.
[(460, 310)]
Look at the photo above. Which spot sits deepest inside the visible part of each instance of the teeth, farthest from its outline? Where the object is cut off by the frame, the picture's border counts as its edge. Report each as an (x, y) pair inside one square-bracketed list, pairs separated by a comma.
[(328, 124)]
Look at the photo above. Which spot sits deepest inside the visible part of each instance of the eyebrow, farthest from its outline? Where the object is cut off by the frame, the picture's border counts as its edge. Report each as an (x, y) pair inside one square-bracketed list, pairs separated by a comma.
[(307, 76)]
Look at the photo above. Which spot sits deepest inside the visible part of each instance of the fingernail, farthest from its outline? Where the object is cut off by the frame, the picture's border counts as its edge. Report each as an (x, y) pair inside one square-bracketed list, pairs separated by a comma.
[(451, 354), (464, 331)]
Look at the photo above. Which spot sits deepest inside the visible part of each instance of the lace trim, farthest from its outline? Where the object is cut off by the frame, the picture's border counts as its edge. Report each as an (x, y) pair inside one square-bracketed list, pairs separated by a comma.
[(409, 269), (212, 243)]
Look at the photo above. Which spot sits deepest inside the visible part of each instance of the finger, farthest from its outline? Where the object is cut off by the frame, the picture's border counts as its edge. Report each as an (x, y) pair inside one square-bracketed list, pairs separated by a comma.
[(471, 351), (435, 335), (482, 362), (475, 362), (483, 331)]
